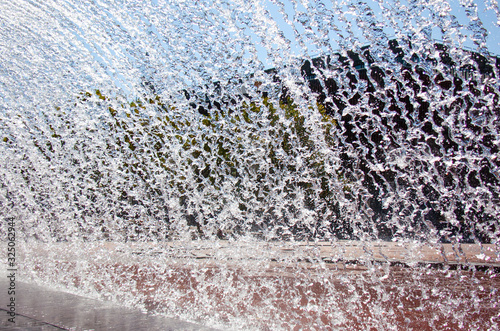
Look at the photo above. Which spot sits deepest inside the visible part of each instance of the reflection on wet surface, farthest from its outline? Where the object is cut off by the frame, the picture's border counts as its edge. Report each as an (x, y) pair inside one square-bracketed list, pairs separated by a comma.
[(24, 323), (292, 285), (40, 308)]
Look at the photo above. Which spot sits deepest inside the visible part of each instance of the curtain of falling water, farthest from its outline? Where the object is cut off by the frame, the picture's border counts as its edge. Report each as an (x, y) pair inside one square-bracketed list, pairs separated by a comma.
[(147, 133)]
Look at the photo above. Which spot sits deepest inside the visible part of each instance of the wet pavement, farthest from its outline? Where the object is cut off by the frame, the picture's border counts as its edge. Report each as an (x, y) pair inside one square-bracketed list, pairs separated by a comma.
[(292, 286), (39, 308)]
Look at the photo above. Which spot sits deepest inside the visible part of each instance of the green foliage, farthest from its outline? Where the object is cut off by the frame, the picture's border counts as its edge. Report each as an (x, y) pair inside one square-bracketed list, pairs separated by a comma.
[(220, 157)]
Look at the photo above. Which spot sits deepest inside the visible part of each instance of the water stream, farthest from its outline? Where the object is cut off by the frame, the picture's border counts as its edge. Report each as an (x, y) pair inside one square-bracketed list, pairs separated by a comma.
[(257, 164)]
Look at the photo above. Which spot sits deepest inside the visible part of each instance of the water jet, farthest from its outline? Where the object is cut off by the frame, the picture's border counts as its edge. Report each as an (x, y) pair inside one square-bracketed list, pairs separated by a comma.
[(260, 165)]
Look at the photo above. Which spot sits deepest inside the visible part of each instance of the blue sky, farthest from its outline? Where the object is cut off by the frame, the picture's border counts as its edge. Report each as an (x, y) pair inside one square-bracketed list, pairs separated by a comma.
[(181, 43), (485, 12)]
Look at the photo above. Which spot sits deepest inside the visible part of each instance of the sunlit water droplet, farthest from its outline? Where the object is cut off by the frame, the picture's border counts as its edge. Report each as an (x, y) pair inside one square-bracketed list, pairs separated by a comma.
[(256, 164)]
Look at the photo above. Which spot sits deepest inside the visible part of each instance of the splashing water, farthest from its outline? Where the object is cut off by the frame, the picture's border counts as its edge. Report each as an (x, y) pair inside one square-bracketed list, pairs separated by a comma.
[(258, 165)]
